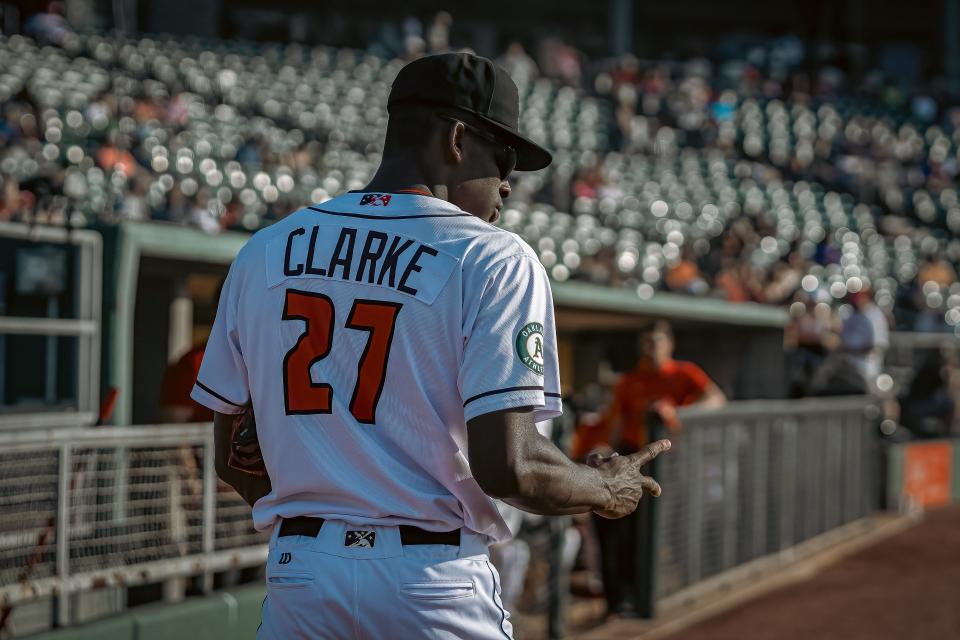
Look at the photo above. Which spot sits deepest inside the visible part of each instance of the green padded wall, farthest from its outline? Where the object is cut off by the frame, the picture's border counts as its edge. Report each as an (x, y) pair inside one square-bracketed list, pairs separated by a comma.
[(119, 627), (224, 615)]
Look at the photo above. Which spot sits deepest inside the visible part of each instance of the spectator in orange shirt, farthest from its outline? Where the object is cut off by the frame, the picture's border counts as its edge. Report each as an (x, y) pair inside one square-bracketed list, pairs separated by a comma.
[(113, 155), (729, 282), (658, 384), (937, 269), (684, 276)]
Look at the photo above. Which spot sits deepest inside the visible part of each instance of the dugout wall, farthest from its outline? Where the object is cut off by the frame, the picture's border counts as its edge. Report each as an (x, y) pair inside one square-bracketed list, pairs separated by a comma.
[(150, 268)]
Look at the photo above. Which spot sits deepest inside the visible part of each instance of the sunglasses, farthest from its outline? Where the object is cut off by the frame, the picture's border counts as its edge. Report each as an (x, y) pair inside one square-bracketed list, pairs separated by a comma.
[(506, 156)]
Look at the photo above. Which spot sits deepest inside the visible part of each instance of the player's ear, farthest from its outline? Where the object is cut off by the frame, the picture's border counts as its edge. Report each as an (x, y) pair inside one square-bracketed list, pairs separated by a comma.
[(453, 142)]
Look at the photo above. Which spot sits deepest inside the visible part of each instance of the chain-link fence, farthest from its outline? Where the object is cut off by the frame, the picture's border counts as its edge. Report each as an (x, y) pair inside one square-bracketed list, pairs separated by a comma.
[(86, 509), (751, 480), (28, 502)]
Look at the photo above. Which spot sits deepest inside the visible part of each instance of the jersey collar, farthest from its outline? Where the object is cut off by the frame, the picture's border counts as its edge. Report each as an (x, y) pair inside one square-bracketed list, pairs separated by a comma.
[(389, 204)]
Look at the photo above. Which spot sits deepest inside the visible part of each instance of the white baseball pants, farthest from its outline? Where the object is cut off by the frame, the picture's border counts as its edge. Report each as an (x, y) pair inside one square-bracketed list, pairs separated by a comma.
[(319, 588)]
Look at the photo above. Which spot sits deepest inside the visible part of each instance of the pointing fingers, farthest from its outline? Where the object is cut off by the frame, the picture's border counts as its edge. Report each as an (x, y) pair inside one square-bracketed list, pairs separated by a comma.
[(651, 486), (650, 452)]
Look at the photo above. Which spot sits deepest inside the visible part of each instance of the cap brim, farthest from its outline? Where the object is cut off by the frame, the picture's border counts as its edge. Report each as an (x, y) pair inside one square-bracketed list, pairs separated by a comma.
[(530, 155)]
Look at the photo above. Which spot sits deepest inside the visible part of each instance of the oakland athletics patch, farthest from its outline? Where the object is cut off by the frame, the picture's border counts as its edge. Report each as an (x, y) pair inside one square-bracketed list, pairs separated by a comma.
[(530, 346)]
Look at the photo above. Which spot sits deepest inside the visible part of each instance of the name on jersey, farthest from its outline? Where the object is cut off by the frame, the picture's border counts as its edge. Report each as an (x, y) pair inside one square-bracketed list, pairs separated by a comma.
[(362, 256)]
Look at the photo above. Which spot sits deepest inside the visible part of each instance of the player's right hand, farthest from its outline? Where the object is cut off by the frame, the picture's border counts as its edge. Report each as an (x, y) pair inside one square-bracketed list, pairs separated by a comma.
[(625, 483)]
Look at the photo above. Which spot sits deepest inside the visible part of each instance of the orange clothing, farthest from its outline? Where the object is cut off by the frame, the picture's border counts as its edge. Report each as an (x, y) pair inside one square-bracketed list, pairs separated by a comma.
[(677, 383), (940, 272), (110, 157), (682, 275), (587, 437), (729, 283), (178, 381)]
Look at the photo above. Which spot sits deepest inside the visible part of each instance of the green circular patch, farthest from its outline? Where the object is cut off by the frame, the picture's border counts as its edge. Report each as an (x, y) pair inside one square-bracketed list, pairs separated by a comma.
[(530, 346)]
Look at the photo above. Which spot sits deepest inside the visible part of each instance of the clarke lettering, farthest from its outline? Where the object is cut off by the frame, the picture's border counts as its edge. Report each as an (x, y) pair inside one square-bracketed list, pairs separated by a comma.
[(337, 261), (390, 261), (414, 267), (287, 270), (368, 256), (382, 258), (312, 270)]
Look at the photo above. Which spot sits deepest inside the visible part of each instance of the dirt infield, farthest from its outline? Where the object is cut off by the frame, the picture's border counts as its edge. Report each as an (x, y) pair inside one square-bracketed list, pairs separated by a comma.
[(907, 586)]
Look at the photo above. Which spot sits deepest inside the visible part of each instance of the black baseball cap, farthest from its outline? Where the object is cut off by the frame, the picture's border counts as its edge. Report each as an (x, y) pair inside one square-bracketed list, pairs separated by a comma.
[(467, 83)]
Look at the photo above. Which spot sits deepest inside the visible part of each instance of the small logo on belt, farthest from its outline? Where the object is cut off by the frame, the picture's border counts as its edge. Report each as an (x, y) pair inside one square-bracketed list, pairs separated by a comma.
[(285, 558), (365, 539)]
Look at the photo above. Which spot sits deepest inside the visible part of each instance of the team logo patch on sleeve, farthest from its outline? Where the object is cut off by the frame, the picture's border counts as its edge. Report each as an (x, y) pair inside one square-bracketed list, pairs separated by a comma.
[(530, 346), (375, 200)]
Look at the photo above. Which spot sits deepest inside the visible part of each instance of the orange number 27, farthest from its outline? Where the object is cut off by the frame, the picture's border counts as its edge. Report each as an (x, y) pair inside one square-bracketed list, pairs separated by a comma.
[(303, 396)]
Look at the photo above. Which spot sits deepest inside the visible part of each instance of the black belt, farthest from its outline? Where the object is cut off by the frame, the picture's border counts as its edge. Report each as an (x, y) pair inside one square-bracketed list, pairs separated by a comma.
[(409, 535)]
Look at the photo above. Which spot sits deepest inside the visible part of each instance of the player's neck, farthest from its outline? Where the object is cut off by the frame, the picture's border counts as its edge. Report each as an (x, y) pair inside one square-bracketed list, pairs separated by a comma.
[(404, 175)]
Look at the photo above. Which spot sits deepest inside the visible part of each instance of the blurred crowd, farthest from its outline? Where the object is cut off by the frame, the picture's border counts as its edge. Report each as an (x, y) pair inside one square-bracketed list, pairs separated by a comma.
[(750, 178)]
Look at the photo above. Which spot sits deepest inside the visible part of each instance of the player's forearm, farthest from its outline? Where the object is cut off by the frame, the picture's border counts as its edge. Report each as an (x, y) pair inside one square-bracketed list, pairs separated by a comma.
[(549, 483)]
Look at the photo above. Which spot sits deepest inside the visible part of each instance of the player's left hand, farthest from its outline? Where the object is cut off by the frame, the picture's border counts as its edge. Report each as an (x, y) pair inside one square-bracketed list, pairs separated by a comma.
[(625, 482)]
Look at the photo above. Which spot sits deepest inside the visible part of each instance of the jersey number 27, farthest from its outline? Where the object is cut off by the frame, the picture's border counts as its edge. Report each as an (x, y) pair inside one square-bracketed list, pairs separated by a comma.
[(303, 396)]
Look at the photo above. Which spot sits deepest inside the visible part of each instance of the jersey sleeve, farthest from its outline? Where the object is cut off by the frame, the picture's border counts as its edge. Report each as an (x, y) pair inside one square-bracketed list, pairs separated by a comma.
[(510, 350), (222, 382)]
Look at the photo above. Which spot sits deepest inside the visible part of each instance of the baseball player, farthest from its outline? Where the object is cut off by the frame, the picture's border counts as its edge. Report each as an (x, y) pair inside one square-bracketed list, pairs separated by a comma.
[(397, 349)]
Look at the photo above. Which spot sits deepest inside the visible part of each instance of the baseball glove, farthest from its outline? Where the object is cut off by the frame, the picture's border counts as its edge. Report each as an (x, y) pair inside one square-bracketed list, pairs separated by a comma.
[(245, 454)]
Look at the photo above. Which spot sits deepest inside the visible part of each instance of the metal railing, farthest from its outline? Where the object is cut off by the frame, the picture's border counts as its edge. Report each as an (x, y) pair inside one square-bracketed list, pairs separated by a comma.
[(86, 509), (750, 480), (89, 509)]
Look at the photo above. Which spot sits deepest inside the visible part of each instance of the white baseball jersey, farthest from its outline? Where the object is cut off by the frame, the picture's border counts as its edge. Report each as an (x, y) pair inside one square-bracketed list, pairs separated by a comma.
[(366, 331)]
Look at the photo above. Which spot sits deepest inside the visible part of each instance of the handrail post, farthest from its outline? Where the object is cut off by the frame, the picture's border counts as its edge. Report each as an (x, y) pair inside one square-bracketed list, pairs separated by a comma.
[(561, 434), (559, 578), (788, 489), (760, 479), (62, 613), (730, 480), (645, 598), (209, 505)]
